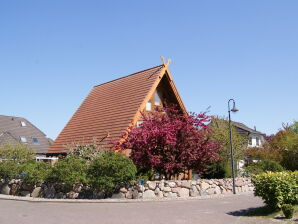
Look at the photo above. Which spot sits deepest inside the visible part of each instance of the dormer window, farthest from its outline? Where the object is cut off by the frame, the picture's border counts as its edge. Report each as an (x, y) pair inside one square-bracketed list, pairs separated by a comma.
[(23, 139), (148, 106), (157, 98), (23, 123)]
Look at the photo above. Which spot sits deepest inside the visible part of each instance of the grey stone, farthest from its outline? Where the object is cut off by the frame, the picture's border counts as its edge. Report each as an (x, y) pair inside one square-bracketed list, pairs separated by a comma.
[(72, 195), (160, 194), (5, 189), (151, 185), (193, 182), (186, 184), (156, 191), (149, 194), (217, 190), (167, 189), (183, 192), (118, 196), (36, 192), (25, 193), (14, 189), (178, 183), (210, 191), (49, 192), (135, 194), (204, 186), (172, 195), (60, 195), (172, 184), (176, 189), (129, 194), (193, 192), (123, 190)]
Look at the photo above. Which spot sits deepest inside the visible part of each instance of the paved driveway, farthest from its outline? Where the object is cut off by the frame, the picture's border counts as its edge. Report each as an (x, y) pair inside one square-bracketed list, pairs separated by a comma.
[(215, 210)]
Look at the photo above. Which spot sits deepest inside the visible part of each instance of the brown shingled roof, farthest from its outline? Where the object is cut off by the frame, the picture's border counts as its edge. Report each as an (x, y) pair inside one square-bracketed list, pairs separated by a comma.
[(110, 108)]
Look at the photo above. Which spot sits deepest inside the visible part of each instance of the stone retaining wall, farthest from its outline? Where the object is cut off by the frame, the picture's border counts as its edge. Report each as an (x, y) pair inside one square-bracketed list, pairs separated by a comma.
[(151, 189)]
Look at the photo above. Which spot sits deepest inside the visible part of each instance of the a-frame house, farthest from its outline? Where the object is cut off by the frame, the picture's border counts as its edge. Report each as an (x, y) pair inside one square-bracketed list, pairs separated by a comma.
[(110, 108)]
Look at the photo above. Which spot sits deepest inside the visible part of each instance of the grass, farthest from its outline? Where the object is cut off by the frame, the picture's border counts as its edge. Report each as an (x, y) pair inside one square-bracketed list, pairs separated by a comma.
[(267, 212)]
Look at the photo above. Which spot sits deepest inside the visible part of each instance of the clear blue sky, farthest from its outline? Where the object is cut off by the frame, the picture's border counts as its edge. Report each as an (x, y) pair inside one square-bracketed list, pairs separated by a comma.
[(53, 52)]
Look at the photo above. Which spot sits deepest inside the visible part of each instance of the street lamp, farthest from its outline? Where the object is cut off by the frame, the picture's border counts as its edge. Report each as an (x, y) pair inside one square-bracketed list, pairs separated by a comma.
[(234, 110)]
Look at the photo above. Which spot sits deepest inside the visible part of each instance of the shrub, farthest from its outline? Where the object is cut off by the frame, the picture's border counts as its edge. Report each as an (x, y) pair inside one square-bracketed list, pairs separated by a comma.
[(34, 172), (69, 171), (110, 171), (217, 170), (277, 188), (18, 152), (288, 210), (9, 170), (263, 166)]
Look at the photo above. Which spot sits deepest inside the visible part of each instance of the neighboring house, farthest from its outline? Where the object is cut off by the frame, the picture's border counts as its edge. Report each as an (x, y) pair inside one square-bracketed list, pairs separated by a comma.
[(255, 138), (19, 130), (110, 108)]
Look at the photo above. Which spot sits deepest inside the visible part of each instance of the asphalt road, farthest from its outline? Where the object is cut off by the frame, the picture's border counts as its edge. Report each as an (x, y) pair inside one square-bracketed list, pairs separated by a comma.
[(215, 210)]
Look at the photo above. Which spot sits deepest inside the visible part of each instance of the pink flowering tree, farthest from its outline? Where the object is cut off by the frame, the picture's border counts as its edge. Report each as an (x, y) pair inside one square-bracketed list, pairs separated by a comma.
[(170, 142)]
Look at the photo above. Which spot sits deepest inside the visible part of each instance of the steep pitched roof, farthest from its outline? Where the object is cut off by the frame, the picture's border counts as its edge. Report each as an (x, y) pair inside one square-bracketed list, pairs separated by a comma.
[(244, 127), (110, 108), (11, 131)]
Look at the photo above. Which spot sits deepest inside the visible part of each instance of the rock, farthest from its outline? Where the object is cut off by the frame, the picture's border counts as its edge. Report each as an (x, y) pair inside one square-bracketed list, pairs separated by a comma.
[(172, 195), (118, 196), (49, 192), (167, 189), (156, 191), (25, 193), (5, 189), (14, 189), (217, 190), (193, 192), (77, 188), (172, 184), (239, 183), (176, 189), (149, 194), (178, 183), (141, 188), (128, 194), (193, 182), (161, 185), (198, 187), (36, 192), (123, 190), (186, 184), (183, 192), (136, 195), (72, 195), (151, 185), (160, 194), (204, 186), (60, 195), (251, 188), (210, 191)]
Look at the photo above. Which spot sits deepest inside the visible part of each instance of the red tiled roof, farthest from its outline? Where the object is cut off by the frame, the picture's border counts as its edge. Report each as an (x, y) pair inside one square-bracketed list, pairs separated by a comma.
[(108, 110)]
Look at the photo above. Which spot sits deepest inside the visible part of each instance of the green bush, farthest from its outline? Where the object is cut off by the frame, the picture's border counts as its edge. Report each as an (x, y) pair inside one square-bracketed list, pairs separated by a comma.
[(18, 152), (9, 169), (263, 166), (33, 172), (69, 171), (217, 170), (110, 171), (277, 188), (288, 210)]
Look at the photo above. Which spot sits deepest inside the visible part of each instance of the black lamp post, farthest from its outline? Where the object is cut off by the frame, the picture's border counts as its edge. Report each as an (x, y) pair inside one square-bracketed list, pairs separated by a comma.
[(234, 110)]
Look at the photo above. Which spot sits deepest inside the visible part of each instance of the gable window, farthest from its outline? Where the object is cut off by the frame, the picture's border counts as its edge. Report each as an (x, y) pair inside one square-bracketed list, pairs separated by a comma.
[(23, 123), (157, 98), (148, 106), (23, 139), (35, 140), (139, 123)]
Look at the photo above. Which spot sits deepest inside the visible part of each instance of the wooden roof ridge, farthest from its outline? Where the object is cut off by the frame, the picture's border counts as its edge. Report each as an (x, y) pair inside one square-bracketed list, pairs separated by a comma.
[(123, 77)]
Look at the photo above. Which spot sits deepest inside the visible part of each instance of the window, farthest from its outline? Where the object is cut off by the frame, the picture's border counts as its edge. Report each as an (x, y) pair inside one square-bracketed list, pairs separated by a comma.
[(148, 105), (23, 139), (157, 98), (35, 140), (139, 123), (257, 141), (23, 123), (250, 141)]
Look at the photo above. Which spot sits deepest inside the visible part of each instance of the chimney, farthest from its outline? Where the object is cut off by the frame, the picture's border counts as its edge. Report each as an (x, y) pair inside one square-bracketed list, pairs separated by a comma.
[(255, 128)]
